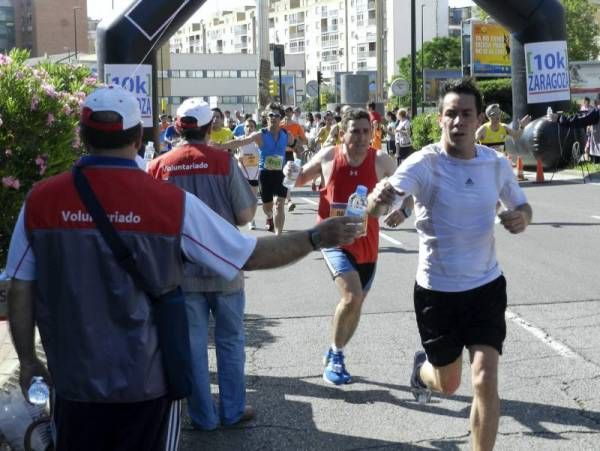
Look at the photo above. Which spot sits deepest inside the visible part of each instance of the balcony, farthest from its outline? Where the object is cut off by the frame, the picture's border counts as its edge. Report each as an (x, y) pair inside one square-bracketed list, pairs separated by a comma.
[(296, 19)]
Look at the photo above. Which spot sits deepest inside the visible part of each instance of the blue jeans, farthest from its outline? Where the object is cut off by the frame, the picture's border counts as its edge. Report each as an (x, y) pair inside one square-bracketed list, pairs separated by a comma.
[(228, 312)]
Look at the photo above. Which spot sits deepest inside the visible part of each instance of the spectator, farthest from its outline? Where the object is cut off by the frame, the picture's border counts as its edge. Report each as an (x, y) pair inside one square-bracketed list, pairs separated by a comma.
[(403, 136), (219, 133)]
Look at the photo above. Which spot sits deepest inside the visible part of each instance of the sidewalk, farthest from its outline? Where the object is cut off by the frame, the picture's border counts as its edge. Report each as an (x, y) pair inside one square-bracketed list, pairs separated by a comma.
[(8, 357)]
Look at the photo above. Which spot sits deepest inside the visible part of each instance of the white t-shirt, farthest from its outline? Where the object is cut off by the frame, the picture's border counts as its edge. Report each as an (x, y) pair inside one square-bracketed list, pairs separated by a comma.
[(403, 133), (248, 160), (455, 208), (207, 239)]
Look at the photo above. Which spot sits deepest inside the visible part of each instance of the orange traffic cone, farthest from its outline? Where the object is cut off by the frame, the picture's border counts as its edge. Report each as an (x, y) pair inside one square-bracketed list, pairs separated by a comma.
[(520, 175), (539, 172)]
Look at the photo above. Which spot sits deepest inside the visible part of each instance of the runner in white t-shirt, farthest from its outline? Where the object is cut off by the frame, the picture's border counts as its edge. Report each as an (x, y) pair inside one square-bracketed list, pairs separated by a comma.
[(248, 157), (460, 292)]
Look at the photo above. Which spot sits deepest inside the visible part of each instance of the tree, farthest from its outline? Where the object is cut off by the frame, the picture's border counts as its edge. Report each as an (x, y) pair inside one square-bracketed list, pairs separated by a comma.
[(581, 30), (39, 116), (439, 53)]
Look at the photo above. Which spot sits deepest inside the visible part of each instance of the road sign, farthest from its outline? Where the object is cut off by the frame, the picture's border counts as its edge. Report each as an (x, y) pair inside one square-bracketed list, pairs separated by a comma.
[(137, 80), (311, 88), (399, 87)]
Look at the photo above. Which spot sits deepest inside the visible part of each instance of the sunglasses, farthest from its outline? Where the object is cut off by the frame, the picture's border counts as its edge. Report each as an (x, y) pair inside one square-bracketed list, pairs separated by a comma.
[(277, 115)]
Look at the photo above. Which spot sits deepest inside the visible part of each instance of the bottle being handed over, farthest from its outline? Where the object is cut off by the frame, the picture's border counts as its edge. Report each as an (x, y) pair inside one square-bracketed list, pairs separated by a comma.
[(357, 206)]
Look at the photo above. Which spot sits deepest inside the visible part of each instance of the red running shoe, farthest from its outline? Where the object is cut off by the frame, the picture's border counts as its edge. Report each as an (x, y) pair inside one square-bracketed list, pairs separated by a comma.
[(270, 227)]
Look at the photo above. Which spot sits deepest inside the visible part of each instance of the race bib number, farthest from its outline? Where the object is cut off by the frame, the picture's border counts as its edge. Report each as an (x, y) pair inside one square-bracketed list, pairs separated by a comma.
[(274, 163), (249, 161), (337, 209)]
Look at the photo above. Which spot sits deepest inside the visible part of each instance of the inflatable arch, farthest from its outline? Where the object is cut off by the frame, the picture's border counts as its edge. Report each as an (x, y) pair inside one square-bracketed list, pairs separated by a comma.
[(127, 44)]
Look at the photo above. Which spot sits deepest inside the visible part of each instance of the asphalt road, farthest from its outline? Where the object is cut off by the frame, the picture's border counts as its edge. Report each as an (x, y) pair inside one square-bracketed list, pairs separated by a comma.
[(549, 373)]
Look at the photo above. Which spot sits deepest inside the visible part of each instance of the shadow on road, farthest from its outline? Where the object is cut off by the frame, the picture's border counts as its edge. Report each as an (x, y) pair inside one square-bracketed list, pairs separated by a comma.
[(565, 224), (286, 419), (396, 250)]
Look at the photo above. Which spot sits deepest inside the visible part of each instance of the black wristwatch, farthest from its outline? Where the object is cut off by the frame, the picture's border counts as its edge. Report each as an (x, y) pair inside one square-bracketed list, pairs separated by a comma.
[(314, 236), (406, 212)]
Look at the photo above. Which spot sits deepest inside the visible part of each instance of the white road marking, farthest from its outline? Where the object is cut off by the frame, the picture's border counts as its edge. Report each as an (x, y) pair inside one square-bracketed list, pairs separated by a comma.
[(596, 217), (560, 348), (310, 201), (381, 234), (543, 336)]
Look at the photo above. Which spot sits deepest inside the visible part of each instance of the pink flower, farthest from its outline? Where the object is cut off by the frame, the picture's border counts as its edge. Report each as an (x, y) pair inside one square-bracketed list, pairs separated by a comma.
[(76, 142), (50, 119), (11, 182), (5, 59), (90, 81), (34, 103), (67, 110), (19, 75), (49, 90)]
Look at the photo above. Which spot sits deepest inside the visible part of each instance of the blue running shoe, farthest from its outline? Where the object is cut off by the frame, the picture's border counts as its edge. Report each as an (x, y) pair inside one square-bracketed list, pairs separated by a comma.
[(327, 356), (421, 393), (335, 371)]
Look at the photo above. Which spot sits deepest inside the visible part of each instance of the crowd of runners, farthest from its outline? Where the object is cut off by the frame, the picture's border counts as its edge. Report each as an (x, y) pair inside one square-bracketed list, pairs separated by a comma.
[(217, 167)]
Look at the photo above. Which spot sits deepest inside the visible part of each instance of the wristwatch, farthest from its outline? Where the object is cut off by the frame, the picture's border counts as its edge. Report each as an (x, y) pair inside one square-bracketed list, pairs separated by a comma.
[(406, 212), (314, 236)]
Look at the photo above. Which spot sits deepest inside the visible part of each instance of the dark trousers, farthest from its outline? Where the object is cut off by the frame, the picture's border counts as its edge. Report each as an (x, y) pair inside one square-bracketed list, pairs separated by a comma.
[(146, 426)]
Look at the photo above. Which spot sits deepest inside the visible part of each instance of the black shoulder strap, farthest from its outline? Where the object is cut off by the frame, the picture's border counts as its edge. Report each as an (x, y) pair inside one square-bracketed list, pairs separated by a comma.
[(108, 232)]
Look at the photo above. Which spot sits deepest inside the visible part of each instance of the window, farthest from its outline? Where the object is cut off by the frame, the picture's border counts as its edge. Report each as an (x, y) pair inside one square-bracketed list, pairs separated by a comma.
[(210, 74)]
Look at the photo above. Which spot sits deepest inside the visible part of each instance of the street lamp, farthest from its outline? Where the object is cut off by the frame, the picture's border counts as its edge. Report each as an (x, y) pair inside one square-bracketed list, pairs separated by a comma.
[(75, 8), (422, 62)]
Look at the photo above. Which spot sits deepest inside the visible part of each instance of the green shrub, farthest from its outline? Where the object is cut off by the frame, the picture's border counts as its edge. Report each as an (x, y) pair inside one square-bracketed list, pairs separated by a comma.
[(39, 112), (498, 90), (425, 130)]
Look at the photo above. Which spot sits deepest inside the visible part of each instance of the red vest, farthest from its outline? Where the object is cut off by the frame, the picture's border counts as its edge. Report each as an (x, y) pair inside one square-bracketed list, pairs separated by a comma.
[(334, 197)]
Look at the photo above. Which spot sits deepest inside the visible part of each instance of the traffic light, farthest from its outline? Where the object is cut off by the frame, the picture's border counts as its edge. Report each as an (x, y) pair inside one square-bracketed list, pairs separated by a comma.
[(319, 77), (273, 88)]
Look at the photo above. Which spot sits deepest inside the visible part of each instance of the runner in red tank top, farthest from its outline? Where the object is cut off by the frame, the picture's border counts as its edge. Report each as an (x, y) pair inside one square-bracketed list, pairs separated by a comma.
[(352, 266)]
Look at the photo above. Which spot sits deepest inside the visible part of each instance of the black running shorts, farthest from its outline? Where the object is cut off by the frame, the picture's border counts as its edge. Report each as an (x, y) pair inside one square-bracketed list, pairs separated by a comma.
[(449, 321), (271, 184)]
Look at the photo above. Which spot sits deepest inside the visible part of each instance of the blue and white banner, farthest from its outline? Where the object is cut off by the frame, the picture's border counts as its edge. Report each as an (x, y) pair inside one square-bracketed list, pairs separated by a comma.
[(138, 80), (547, 67)]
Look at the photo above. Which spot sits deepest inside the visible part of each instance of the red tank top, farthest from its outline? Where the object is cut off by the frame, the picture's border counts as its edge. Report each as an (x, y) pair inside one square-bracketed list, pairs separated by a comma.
[(334, 197)]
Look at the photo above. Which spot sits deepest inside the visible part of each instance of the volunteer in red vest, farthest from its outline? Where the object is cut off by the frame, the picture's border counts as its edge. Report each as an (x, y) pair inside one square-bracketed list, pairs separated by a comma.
[(215, 178), (352, 267), (95, 324)]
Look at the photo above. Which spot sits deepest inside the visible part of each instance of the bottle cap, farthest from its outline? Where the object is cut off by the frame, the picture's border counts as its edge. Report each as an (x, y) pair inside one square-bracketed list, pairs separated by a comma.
[(150, 145), (361, 190)]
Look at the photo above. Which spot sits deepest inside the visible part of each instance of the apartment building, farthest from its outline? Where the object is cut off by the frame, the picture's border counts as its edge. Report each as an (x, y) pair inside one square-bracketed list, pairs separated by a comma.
[(334, 35), (7, 26), (226, 80), (456, 17), (49, 26)]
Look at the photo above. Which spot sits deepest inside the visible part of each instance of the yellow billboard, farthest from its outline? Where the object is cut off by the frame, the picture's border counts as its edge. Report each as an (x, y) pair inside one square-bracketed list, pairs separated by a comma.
[(490, 50)]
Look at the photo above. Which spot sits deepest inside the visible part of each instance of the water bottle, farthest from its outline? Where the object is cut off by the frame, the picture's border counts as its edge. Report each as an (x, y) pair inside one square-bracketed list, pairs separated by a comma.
[(149, 152), (290, 180), (38, 392), (549, 113), (357, 206)]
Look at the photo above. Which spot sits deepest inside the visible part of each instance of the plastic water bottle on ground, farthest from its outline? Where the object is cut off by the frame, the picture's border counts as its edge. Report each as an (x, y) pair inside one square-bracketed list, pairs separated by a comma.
[(357, 206), (289, 181), (38, 392)]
